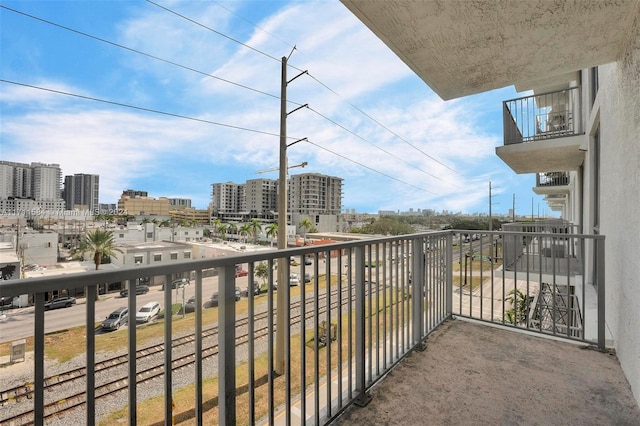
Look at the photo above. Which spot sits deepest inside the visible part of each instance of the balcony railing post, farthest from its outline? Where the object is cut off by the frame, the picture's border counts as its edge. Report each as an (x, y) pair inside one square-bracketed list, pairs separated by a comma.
[(168, 346), (38, 368), (449, 275), (198, 349), (91, 354), (131, 329), (362, 398), (417, 285), (226, 345), (599, 242)]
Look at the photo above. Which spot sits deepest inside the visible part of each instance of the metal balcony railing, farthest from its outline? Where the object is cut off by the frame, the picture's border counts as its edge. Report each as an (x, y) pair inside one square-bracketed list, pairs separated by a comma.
[(360, 308), (543, 116), (552, 179)]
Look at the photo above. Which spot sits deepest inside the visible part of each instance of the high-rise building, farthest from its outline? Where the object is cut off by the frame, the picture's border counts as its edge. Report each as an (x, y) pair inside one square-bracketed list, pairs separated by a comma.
[(226, 197), (179, 203), (315, 194), (26, 187), (135, 193), (261, 195), (81, 191)]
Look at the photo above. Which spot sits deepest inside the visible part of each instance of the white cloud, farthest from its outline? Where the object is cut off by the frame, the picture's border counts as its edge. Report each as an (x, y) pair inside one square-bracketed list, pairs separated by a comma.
[(131, 148)]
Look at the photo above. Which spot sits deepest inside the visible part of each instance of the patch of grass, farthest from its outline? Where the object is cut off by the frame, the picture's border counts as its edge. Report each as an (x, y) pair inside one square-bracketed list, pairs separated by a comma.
[(151, 412), (66, 344)]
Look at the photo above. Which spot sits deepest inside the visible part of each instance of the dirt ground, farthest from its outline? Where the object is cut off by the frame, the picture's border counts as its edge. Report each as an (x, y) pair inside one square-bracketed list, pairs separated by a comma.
[(474, 374)]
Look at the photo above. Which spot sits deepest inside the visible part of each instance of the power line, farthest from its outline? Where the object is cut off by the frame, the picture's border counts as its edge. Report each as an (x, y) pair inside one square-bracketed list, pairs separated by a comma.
[(253, 24), (370, 168), (380, 148), (141, 52), (91, 98), (214, 31), (383, 126), (324, 85), (208, 75), (155, 111)]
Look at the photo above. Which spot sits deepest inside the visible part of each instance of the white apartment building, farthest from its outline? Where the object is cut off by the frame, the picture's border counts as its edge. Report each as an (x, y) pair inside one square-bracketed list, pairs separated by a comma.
[(261, 195), (226, 197), (25, 188), (315, 194), (577, 123)]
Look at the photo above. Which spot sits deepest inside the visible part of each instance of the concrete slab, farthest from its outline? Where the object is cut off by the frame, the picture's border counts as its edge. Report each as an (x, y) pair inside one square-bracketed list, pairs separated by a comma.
[(475, 374)]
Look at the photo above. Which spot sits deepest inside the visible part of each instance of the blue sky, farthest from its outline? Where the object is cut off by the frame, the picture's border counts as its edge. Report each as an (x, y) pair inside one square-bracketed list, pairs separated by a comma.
[(370, 120)]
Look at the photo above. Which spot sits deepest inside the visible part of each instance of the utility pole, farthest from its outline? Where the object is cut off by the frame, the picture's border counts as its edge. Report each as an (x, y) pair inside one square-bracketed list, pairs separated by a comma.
[(283, 280), (531, 209), (282, 224)]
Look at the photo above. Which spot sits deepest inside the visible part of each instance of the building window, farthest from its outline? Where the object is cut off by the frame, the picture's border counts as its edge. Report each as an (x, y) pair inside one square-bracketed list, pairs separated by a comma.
[(174, 256), (120, 235), (187, 255), (157, 257)]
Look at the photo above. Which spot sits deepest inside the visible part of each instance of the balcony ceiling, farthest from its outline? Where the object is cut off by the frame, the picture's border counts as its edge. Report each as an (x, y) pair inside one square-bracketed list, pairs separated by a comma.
[(461, 47)]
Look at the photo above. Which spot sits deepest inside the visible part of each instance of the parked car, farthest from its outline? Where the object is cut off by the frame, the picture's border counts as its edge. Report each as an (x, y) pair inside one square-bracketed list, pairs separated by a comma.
[(115, 319), (256, 288), (190, 306), (215, 297), (60, 302), (241, 273), (307, 278), (179, 283), (140, 289), (294, 280), (307, 261), (148, 312)]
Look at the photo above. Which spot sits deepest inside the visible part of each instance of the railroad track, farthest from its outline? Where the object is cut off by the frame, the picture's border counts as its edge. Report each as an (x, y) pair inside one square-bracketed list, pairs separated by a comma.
[(77, 400)]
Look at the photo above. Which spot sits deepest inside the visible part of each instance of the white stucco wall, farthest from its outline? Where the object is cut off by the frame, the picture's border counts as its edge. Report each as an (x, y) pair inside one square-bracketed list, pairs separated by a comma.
[(620, 201)]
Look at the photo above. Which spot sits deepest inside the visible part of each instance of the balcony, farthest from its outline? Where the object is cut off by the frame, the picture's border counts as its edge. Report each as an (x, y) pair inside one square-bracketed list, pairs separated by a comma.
[(553, 183), (543, 132), (525, 301)]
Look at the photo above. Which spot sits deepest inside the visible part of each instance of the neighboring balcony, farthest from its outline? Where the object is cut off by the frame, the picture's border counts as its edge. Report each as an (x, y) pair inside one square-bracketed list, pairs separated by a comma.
[(303, 354), (553, 184), (543, 132)]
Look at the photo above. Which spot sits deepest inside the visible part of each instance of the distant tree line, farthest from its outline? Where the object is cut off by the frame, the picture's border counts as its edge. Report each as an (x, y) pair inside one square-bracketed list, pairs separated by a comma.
[(401, 225)]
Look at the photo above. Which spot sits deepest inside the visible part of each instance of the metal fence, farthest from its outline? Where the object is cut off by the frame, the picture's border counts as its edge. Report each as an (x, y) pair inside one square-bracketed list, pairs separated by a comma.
[(359, 309), (542, 116)]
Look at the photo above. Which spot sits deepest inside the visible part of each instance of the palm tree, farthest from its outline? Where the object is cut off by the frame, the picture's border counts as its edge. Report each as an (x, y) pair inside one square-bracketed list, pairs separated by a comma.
[(216, 225), (307, 226), (100, 244), (256, 228), (245, 230), (232, 228), (223, 231), (272, 231)]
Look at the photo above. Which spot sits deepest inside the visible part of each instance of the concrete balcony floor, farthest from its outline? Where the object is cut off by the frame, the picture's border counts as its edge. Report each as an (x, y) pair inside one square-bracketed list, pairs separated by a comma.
[(475, 374)]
